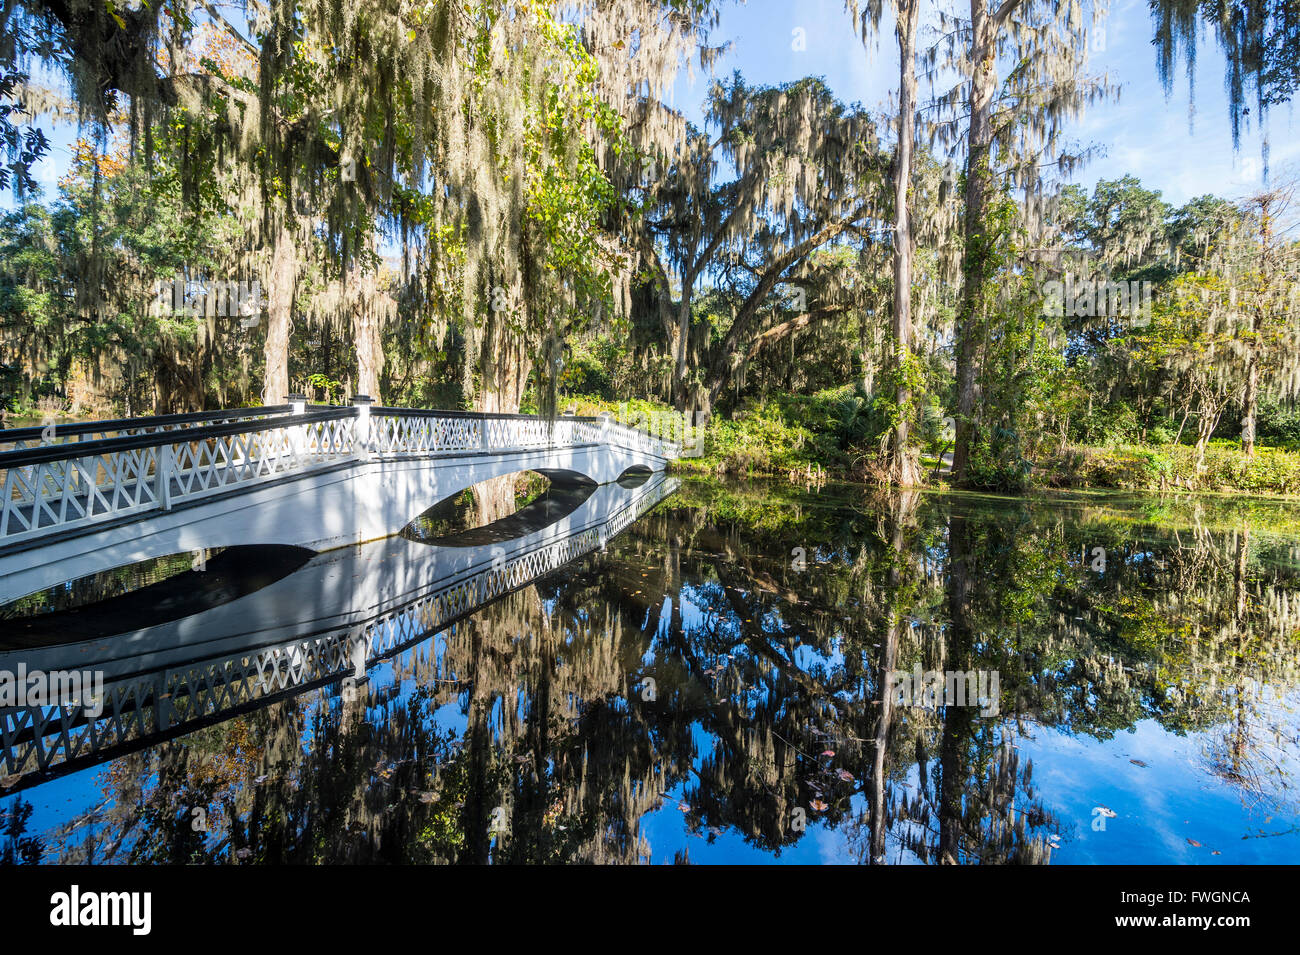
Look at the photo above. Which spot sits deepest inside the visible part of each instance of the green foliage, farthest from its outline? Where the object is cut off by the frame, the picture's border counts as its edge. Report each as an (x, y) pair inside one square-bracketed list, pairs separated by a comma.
[(590, 368), (1022, 380), (1279, 425), (996, 462), (1136, 467), (333, 388), (832, 430), (856, 418)]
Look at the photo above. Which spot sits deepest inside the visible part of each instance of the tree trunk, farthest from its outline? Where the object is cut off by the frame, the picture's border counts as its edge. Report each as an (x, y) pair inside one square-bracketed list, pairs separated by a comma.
[(957, 720), (1258, 317), (682, 343), (1250, 402), (495, 498), (366, 332), (1206, 422), (904, 469), (279, 308), (903, 512), (505, 362), (976, 253)]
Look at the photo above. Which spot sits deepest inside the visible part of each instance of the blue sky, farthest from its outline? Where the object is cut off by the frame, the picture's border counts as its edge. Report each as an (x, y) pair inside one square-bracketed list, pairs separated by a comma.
[(1143, 133)]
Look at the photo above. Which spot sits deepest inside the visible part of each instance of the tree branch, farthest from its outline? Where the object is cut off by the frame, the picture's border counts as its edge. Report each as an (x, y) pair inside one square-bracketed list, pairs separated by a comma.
[(786, 329), (1004, 11)]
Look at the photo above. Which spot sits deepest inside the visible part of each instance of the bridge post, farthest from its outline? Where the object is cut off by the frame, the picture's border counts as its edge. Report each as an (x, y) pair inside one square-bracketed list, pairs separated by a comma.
[(298, 435), (163, 477), (356, 652), (362, 403)]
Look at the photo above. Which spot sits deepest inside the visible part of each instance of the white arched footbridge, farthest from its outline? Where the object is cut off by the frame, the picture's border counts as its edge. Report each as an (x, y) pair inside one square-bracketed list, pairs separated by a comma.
[(94, 496)]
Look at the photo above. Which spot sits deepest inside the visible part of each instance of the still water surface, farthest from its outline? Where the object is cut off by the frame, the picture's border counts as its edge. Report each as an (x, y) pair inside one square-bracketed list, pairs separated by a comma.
[(708, 687)]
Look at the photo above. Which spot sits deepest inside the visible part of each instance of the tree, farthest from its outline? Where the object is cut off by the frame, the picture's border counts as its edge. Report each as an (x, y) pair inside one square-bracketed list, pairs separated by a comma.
[(1259, 265), (1010, 137), (808, 174), (904, 466), (475, 133)]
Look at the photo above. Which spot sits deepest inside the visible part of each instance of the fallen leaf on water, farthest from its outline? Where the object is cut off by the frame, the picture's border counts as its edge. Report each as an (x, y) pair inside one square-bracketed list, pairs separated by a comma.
[(846, 775), (1193, 842), (818, 806), (1138, 762)]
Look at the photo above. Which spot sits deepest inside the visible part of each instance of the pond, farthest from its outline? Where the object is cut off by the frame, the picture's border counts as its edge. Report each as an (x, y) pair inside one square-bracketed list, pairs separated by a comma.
[(747, 672)]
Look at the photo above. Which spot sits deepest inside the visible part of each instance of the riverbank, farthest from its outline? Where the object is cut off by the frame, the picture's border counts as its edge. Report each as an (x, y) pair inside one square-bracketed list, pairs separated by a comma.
[(781, 436), (829, 435), (808, 440), (818, 437), (1226, 468)]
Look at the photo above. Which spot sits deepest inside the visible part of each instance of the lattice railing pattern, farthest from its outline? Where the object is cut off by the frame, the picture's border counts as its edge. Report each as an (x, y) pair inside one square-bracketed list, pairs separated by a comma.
[(41, 738), (424, 435), (639, 440), (72, 491)]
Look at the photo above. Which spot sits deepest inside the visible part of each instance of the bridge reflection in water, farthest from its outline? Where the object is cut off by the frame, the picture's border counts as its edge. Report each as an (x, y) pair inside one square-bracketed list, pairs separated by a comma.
[(340, 613)]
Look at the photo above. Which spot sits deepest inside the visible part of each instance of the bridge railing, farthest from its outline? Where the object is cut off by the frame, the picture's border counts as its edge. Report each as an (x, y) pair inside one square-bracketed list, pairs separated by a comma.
[(58, 432), (62, 486), (397, 430)]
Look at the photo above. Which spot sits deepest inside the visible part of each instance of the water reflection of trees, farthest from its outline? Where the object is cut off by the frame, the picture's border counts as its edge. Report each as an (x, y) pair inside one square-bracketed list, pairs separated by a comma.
[(766, 712)]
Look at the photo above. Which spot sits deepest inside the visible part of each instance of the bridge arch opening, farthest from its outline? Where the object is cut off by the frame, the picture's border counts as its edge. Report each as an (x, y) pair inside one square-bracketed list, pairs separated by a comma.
[(500, 509), (634, 476), (144, 594)]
